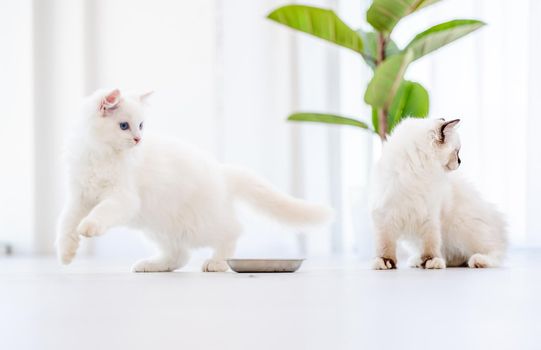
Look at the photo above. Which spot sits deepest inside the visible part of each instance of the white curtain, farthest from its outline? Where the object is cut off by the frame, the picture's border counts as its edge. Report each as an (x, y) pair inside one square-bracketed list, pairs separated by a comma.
[(16, 124)]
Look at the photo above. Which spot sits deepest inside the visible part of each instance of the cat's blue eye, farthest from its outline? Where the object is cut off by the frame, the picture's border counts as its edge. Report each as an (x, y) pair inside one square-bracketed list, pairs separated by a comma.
[(124, 126), (141, 126)]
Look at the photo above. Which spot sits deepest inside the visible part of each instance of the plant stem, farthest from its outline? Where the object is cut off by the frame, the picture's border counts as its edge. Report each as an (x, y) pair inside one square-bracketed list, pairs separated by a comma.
[(380, 49), (382, 121), (382, 112)]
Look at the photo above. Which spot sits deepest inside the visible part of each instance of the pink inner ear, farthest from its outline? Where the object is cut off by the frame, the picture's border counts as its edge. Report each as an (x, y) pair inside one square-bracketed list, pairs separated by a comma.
[(113, 96), (110, 101)]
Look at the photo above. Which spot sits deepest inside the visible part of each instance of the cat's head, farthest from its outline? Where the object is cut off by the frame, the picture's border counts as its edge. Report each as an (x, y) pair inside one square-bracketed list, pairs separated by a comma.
[(446, 143), (117, 120), (429, 142)]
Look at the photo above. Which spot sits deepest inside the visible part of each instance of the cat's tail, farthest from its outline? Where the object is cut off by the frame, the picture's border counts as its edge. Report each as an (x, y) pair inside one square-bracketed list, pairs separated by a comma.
[(263, 196)]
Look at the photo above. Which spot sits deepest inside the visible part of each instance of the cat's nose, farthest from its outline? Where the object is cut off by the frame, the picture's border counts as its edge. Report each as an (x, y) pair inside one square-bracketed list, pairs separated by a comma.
[(136, 139)]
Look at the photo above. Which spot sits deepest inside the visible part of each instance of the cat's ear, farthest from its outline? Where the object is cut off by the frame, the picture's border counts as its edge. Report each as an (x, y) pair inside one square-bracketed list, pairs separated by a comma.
[(110, 102), (446, 128), (145, 96)]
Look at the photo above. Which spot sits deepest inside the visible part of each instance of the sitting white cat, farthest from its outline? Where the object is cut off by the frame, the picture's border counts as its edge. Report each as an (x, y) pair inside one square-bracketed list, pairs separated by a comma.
[(180, 197), (420, 199)]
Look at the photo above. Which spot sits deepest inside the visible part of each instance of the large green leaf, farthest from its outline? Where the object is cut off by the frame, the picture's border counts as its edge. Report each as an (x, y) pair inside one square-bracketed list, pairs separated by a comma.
[(370, 47), (441, 34), (387, 79), (383, 15), (411, 100), (327, 118), (319, 22)]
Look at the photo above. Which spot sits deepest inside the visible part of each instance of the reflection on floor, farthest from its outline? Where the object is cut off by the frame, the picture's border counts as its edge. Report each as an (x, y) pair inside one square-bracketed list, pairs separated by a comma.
[(97, 304)]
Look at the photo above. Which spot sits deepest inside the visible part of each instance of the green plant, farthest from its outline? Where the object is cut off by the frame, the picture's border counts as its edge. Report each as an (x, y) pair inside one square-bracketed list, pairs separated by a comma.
[(391, 97)]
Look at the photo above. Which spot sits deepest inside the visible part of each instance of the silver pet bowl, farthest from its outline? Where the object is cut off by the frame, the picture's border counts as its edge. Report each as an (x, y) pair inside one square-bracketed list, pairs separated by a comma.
[(264, 265)]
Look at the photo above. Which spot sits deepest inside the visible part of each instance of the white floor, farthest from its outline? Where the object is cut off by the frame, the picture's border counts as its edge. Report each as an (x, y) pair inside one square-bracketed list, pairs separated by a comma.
[(344, 305)]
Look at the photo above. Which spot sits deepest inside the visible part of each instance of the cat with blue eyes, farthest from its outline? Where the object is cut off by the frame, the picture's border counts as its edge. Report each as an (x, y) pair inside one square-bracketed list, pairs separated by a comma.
[(180, 197), (126, 126)]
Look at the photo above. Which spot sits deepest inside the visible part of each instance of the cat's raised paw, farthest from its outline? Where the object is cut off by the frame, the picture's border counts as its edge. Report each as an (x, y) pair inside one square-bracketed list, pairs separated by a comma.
[(89, 228), (429, 262), (215, 266), (381, 263)]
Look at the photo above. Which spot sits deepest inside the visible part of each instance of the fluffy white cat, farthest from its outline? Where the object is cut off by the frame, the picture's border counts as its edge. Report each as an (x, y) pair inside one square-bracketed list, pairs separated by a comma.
[(420, 199), (180, 197)]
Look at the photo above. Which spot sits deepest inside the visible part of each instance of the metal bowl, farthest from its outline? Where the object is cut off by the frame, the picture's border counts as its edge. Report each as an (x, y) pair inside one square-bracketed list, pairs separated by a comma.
[(264, 265)]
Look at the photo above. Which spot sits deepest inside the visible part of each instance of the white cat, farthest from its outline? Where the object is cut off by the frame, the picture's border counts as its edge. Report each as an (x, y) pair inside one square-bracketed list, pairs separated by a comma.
[(420, 199), (179, 197)]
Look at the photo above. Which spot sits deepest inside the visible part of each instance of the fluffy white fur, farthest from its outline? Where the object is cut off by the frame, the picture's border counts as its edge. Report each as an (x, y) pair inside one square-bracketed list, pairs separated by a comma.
[(419, 198), (178, 196)]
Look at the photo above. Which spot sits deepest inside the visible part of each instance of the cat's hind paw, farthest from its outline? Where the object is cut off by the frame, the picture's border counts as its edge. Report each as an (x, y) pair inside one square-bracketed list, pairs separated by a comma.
[(415, 261), (215, 266), (479, 261), (381, 263), (152, 265)]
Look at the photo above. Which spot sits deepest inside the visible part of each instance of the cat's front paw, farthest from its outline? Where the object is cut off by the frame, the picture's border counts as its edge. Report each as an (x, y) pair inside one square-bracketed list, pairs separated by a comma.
[(89, 228), (215, 266), (66, 248), (430, 262), (382, 263)]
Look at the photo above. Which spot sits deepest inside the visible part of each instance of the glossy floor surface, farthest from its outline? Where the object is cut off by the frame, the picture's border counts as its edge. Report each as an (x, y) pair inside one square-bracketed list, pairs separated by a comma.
[(96, 304)]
